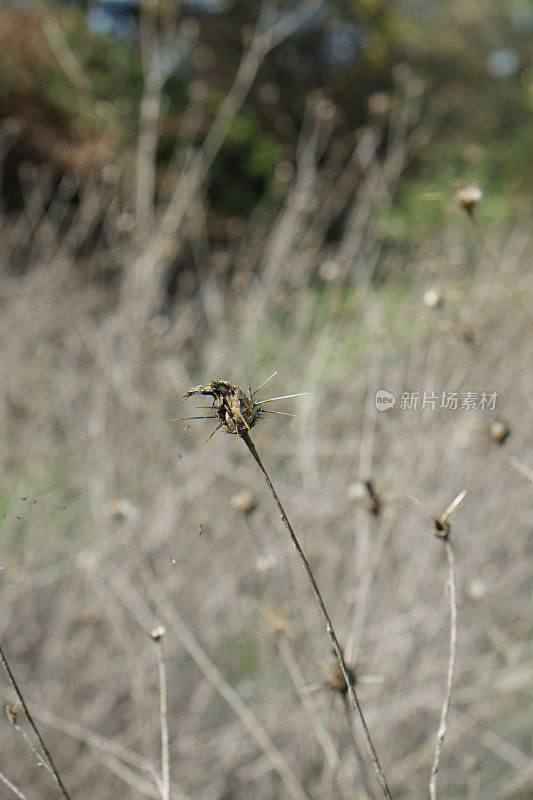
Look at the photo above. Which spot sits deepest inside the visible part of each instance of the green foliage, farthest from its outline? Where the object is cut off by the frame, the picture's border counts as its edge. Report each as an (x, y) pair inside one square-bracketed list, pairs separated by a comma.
[(484, 129)]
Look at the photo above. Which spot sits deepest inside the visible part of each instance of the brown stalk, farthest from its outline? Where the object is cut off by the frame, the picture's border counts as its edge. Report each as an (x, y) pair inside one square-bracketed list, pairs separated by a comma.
[(245, 436), (443, 725), (35, 729), (157, 636), (16, 791), (442, 530), (238, 412)]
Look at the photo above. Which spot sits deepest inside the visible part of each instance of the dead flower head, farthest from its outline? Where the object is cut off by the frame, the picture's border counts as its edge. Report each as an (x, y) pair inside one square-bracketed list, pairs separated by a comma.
[(236, 409), (12, 711), (338, 681), (499, 431), (158, 633), (468, 196), (441, 526), (244, 502), (233, 406)]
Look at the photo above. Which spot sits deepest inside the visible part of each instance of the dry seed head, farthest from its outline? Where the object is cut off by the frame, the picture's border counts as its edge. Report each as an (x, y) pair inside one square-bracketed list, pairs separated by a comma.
[(433, 297), (338, 681), (158, 633), (499, 431), (275, 619), (468, 196), (12, 710), (468, 332), (373, 501), (442, 528), (122, 510), (244, 502), (234, 407), (365, 491)]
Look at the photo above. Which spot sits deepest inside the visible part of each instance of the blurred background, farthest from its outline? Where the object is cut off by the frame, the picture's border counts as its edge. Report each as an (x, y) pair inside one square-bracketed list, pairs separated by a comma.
[(213, 189)]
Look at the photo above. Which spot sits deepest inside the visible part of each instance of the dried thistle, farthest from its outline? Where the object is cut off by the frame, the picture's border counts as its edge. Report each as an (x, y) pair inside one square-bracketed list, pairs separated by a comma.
[(499, 431), (244, 502), (12, 711), (158, 633), (442, 527), (237, 412), (338, 682), (373, 500), (433, 297), (235, 408), (468, 196), (365, 491)]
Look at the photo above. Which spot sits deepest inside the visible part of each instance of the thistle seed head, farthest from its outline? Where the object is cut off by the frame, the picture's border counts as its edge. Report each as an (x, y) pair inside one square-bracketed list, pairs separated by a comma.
[(158, 633), (338, 681), (499, 431), (468, 196), (244, 502), (234, 407), (442, 528)]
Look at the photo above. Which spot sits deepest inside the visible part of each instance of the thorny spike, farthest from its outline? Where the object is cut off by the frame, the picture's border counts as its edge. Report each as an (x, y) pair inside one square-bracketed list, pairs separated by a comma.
[(264, 383), (282, 413), (453, 505), (212, 432), (442, 526), (417, 502), (283, 397), (184, 419)]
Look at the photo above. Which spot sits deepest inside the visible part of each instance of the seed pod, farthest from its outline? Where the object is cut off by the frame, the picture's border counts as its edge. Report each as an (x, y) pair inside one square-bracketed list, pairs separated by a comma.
[(338, 681), (468, 197)]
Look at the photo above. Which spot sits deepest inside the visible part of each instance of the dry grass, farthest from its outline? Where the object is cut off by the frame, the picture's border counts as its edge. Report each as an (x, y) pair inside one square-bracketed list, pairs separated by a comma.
[(117, 523)]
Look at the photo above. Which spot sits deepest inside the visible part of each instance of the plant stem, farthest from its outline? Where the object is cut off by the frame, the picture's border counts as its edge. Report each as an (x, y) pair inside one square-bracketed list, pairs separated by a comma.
[(358, 755), (16, 791), (29, 717), (245, 436), (165, 769), (443, 725)]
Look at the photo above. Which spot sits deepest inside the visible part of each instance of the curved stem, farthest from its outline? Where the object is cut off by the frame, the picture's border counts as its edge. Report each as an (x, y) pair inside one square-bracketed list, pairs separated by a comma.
[(245, 436), (29, 717)]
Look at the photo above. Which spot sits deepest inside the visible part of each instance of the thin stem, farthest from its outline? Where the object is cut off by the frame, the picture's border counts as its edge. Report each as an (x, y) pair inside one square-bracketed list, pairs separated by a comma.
[(165, 770), (304, 693), (329, 627), (12, 786), (41, 760), (443, 725), (358, 757), (29, 717)]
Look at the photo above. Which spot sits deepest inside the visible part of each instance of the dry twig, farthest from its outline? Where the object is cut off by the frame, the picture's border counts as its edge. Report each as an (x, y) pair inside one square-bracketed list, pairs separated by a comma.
[(35, 729), (238, 412), (442, 529), (443, 725)]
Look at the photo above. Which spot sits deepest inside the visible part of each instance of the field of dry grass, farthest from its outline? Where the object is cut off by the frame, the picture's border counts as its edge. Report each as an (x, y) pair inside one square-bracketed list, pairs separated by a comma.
[(116, 522)]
